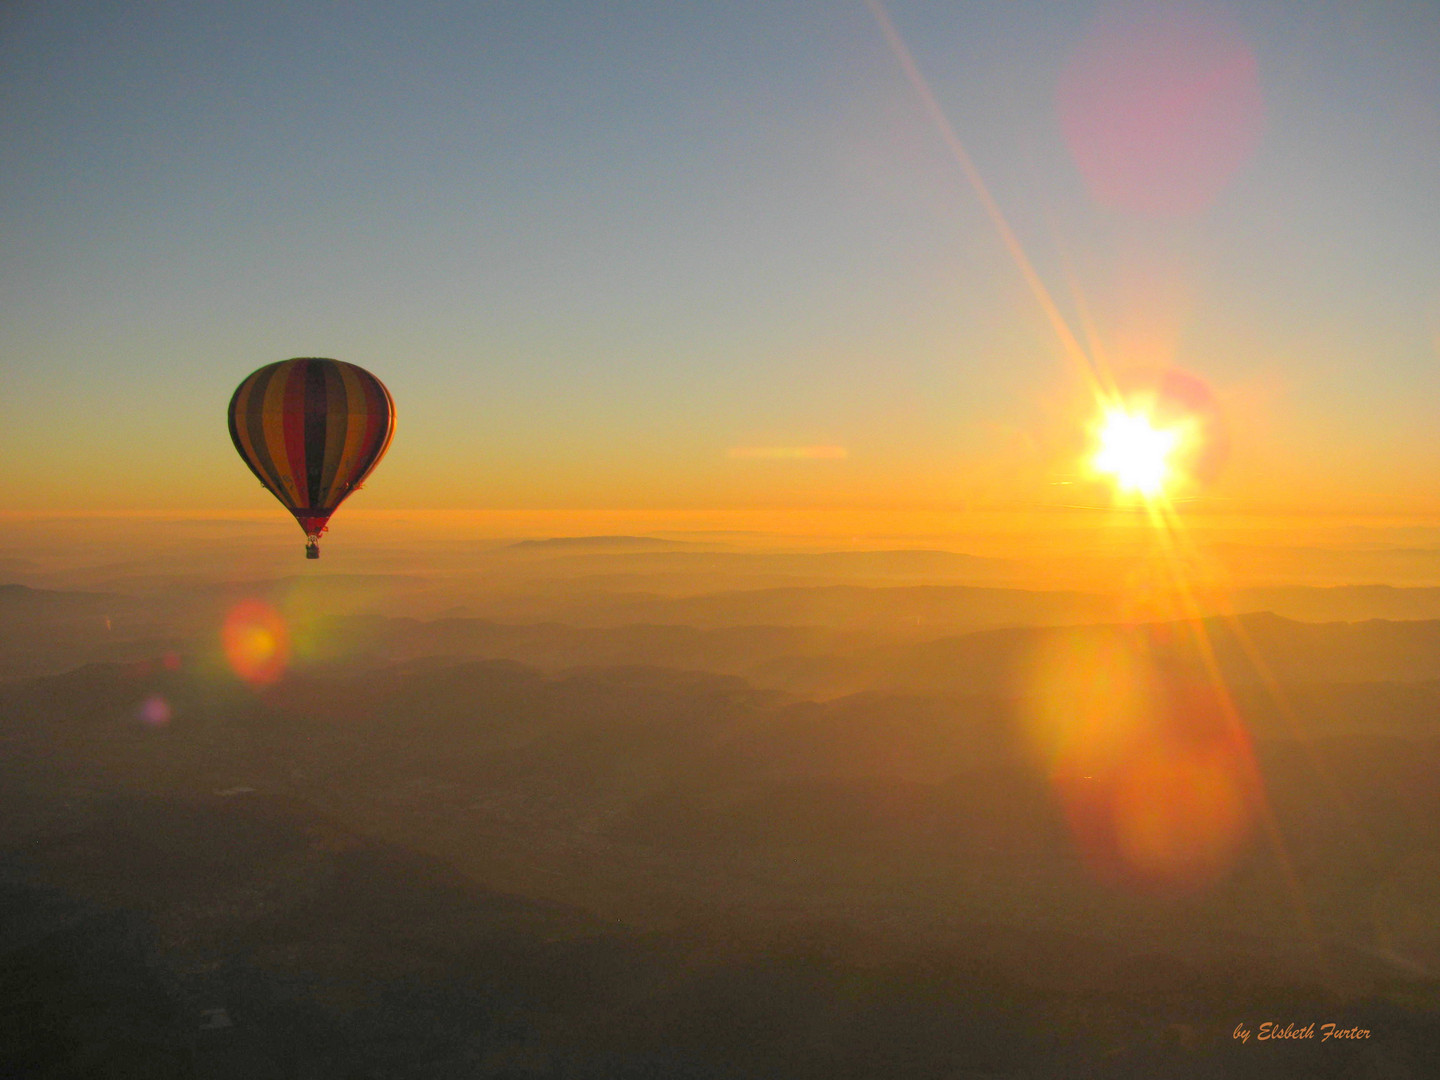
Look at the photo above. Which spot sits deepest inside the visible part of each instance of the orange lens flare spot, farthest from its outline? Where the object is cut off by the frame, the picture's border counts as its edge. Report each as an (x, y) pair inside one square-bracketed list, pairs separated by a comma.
[(256, 642), (1090, 697), (1145, 756)]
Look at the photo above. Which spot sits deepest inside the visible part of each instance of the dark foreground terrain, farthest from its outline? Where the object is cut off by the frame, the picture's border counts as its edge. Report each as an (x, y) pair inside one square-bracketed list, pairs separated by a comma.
[(388, 864)]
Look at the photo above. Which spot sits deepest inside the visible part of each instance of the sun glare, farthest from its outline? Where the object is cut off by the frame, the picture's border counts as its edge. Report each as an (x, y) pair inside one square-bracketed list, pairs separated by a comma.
[(1135, 453)]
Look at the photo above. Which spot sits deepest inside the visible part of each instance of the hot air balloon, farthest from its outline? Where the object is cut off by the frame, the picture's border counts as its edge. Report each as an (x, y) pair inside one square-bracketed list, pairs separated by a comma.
[(312, 430)]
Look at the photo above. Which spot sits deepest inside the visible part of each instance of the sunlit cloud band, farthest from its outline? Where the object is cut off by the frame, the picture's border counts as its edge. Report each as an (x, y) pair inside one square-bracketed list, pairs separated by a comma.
[(789, 453)]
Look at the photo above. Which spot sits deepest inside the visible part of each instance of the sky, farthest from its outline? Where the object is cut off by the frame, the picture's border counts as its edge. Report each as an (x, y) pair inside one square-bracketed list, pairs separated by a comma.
[(663, 258)]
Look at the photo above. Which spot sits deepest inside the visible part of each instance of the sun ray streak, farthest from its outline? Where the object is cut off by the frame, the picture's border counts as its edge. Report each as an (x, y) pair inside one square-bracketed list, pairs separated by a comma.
[(1260, 800), (1168, 527), (1282, 703), (1068, 341), (1162, 515), (1100, 366)]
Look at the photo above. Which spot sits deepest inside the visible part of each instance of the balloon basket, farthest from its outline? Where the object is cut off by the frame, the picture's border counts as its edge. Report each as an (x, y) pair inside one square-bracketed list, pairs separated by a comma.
[(312, 548)]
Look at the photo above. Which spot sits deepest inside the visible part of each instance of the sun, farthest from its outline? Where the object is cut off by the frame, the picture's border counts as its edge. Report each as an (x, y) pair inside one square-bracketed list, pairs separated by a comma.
[(1134, 452)]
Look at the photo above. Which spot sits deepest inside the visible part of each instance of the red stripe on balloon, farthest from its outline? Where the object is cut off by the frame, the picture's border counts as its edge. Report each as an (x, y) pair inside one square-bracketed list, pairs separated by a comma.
[(295, 430), (376, 416)]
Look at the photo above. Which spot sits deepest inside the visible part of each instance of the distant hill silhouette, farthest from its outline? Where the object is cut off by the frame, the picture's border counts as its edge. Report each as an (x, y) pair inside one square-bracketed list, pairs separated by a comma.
[(24, 598), (811, 660), (937, 608), (1248, 649)]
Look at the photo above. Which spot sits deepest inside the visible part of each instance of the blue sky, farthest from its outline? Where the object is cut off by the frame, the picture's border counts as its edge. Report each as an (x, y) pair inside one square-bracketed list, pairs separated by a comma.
[(592, 247)]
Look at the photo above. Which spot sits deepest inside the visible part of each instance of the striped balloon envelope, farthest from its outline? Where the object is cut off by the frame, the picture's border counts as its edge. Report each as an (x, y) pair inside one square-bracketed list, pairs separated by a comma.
[(312, 430)]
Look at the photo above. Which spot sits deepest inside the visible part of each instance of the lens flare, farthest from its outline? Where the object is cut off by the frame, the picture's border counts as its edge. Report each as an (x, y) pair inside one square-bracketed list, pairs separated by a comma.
[(256, 642), (1161, 105), (1145, 755), (155, 711)]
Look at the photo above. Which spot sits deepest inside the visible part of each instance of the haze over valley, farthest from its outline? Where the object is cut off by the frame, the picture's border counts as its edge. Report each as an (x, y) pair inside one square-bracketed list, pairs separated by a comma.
[(801, 829)]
